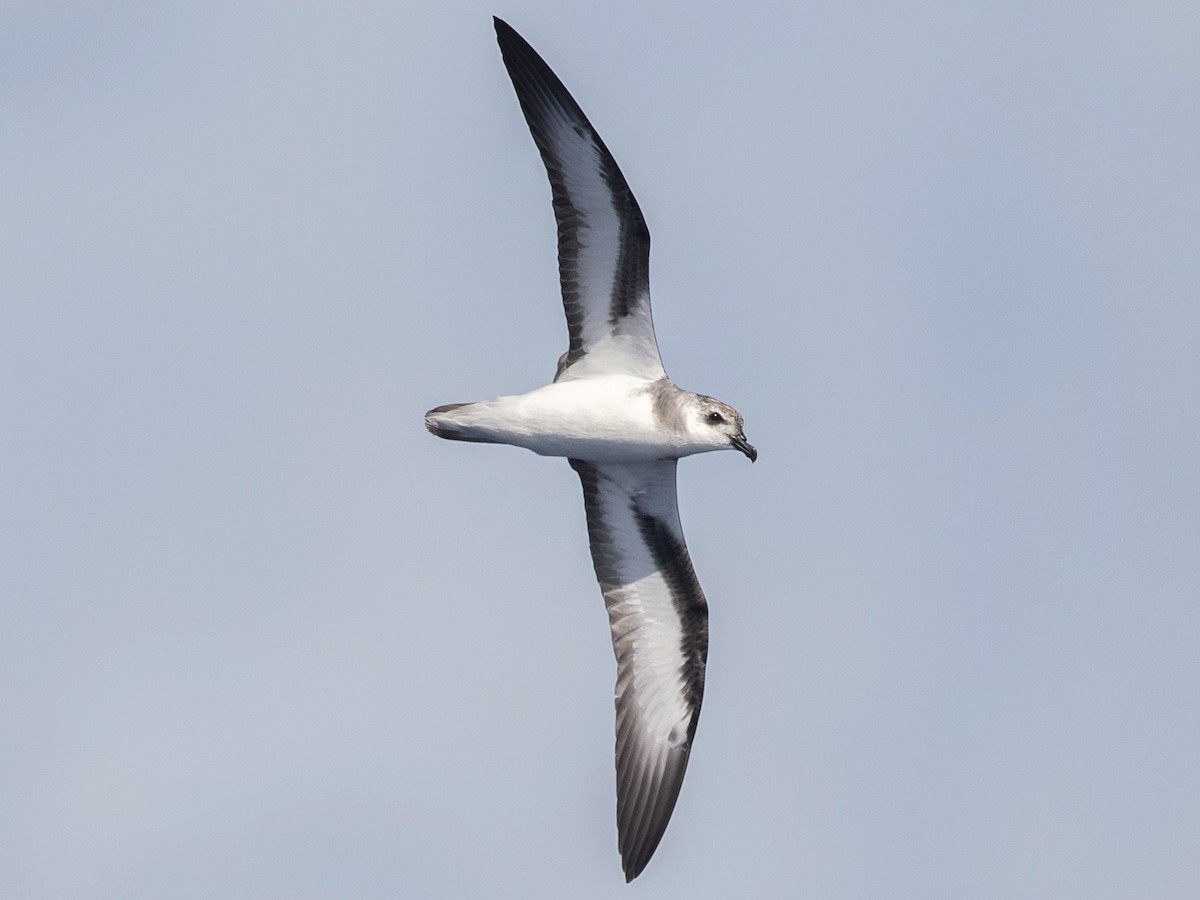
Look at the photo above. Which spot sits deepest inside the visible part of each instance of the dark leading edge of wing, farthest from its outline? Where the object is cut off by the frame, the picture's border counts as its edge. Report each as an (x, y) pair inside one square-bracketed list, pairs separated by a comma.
[(603, 242), (659, 621)]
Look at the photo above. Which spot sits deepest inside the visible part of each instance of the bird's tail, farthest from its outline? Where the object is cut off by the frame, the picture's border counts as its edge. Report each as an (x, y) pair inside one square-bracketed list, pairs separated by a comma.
[(459, 422)]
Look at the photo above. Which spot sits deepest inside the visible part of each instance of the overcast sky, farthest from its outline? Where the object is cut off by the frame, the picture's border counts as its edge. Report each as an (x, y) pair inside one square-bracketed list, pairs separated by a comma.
[(261, 636)]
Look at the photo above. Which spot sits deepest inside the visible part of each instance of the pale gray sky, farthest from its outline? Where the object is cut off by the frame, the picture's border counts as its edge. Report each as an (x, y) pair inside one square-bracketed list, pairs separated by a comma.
[(261, 636)]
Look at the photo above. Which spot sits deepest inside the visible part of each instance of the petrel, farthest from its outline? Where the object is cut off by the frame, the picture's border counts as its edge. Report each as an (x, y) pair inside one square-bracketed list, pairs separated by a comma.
[(622, 424)]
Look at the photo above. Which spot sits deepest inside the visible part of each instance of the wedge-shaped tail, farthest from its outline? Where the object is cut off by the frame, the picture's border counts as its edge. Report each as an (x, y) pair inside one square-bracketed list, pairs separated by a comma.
[(459, 422)]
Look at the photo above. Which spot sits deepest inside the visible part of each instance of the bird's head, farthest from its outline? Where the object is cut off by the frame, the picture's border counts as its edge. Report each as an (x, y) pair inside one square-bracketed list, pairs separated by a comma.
[(719, 426)]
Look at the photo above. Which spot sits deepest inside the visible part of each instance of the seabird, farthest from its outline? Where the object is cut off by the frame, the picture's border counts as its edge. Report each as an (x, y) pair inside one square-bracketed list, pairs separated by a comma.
[(622, 424)]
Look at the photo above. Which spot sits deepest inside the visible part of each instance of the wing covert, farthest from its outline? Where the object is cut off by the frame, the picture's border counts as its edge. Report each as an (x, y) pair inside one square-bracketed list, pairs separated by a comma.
[(603, 241), (659, 620)]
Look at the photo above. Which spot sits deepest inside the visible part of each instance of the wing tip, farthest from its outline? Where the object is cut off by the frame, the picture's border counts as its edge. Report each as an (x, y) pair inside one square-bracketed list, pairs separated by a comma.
[(635, 859), (508, 37), (640, 830)]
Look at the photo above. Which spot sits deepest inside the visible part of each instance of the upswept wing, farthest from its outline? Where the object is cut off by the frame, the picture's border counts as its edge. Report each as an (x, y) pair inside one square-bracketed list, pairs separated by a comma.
[(603, 242)]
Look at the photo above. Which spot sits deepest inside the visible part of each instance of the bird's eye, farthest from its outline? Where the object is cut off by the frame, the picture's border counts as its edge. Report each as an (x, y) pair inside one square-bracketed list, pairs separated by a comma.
[(715, 418)]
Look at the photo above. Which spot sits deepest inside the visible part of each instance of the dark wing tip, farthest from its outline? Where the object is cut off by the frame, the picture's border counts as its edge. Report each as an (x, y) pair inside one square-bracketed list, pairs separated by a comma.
[(645, 810), (511, 42), (534, 80)]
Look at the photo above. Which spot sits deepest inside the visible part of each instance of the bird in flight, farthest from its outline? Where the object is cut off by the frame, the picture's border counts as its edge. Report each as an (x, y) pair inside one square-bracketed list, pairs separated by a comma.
[(623, 425)]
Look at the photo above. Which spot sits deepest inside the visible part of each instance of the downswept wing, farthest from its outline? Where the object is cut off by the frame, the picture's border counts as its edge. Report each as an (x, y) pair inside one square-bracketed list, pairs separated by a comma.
[(659, 621), (603, 242)]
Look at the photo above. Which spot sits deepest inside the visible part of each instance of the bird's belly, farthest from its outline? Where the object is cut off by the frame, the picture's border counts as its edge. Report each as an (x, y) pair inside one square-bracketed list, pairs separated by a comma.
[(600, 422)]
